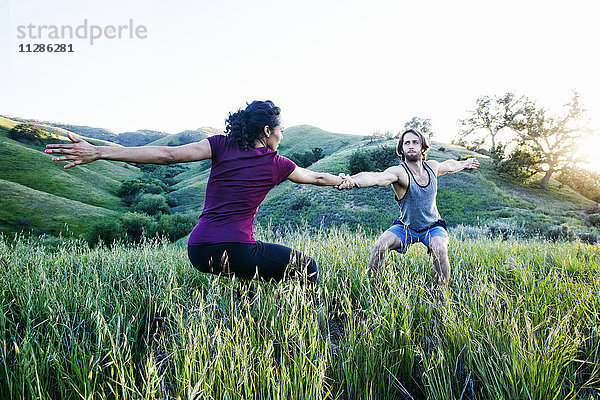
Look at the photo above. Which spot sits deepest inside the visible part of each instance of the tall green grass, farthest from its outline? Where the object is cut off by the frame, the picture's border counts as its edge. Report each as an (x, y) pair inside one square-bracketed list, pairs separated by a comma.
[(519, 320)]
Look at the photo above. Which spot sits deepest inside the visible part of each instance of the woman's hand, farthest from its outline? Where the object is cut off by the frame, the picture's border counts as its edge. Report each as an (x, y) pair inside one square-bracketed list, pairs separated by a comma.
[(80, 151), (347, 183)]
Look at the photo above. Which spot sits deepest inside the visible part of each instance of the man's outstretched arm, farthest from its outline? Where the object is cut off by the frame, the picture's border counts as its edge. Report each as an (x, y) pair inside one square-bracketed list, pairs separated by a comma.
[(366, 179), (450, 166)]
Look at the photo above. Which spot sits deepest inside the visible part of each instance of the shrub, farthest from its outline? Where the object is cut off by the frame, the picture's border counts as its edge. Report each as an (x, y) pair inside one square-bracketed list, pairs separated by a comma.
[(378, 159), (505, 213), (29, 134), (24, 222), (300, 203), (592, 209), (588, 237), (383, 158), (307, 158), (137, 226), (501, 229), (559, 232), (171, 201), (594, 219), (162, 173), (175, 226), (131, 189), (107, 231), (360, 161), (152, 204)]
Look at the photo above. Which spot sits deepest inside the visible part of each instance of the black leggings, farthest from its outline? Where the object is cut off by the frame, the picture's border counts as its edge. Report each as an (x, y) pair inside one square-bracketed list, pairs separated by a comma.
[(268, 261)]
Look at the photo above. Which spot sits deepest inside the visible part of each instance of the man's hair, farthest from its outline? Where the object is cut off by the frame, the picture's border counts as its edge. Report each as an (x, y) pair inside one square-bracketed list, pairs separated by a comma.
[(422, 138)]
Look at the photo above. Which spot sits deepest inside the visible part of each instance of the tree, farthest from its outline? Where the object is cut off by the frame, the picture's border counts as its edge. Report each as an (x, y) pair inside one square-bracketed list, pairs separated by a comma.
[(423, 125), (318, 153), (490, 116), (517, 166), (378, 136), (553, 140)]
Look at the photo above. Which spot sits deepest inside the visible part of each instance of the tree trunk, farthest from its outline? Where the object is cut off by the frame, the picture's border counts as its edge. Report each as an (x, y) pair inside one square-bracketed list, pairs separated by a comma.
[(546, 179)]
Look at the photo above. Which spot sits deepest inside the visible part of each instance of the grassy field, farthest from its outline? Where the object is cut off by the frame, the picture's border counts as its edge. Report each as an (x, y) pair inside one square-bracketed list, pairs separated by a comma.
[(521, 320)]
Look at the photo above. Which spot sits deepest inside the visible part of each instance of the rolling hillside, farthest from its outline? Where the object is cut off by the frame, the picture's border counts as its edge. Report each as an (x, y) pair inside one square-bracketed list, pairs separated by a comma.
[(478, 197), (185, 137), (469, 197), (301, 138), (41, 195)]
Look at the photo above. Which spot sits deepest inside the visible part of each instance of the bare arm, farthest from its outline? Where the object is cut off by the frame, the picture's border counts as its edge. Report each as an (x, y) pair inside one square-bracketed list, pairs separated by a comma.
[(450, 166), (303, 175), (366, 179), (82, 152)]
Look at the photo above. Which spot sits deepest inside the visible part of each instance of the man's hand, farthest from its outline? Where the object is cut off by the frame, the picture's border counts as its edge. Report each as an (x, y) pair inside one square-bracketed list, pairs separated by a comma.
[(471, 163), (347, 183), (80, 151)]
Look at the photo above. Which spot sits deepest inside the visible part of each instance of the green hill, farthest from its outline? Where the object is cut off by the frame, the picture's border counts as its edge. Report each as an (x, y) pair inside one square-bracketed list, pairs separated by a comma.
[(478, 197), (139, 138), (88, 132), (42, 182), (26, 209), (184, 137), (301, 138)]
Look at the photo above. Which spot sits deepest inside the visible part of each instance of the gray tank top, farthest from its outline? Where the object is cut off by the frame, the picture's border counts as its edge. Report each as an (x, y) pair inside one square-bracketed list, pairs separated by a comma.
[(418, 209)]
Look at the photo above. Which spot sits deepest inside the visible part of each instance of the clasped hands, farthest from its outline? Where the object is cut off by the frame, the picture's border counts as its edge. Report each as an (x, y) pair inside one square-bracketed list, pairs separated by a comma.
[(347, 182)]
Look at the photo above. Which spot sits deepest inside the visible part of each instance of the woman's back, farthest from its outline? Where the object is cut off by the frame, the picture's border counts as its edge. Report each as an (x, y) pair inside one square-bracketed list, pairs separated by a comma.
[(239, 181)]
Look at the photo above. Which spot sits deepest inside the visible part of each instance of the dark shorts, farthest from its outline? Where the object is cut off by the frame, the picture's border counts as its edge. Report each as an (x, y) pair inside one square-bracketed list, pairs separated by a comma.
[(267, 261), (409, 236)]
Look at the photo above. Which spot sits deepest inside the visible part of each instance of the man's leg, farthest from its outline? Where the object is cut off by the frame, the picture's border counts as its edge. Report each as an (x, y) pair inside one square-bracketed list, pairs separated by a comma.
[(386, 242), (438, 246)]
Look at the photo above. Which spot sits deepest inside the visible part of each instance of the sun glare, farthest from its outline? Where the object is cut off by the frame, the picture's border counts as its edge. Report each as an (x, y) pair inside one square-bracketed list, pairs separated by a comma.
[(591, 153)]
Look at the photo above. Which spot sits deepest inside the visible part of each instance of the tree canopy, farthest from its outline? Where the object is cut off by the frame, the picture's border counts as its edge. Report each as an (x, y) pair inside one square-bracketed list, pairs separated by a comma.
[(423, 125), (490, 116), (552, 139)]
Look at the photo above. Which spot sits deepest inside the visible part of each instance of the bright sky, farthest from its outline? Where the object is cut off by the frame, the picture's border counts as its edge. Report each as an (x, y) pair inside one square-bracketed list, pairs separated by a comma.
[(344, 66)]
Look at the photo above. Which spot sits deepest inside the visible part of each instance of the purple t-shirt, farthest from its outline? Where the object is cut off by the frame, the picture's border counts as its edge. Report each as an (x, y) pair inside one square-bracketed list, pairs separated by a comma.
[(239, 181)]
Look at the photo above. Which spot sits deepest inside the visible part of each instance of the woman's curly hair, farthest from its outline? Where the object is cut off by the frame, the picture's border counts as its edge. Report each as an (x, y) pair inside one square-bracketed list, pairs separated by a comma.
[(244, 127)]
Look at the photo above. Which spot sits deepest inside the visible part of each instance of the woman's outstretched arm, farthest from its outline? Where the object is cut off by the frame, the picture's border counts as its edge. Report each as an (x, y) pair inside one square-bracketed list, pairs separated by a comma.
[(303, 175), (81, 152)]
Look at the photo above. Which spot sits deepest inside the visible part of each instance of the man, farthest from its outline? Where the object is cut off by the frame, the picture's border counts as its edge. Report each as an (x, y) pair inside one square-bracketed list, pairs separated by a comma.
[(415, 185)]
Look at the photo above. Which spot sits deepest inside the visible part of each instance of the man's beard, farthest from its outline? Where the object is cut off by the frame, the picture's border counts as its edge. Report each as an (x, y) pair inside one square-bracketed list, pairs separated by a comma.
[(412, 157)]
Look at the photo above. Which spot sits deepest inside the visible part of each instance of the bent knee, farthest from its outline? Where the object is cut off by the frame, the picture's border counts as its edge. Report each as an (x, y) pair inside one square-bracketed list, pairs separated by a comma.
[(381, 247), (439, 246)]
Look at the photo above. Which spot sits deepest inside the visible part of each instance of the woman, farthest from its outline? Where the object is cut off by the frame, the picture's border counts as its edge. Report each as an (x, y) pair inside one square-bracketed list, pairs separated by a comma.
[(245, 167)]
